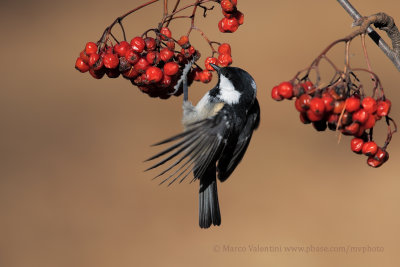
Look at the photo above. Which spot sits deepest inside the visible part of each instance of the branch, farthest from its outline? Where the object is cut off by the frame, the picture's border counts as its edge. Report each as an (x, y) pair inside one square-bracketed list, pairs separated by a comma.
[(383, 22)]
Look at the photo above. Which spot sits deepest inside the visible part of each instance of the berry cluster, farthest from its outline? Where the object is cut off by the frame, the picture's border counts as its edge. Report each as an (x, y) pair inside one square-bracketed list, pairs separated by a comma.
[(233, 18), (153, 63), (338, 108)]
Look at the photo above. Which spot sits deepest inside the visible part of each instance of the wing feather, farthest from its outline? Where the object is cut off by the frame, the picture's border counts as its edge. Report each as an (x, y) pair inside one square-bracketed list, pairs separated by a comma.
[(194, 149)]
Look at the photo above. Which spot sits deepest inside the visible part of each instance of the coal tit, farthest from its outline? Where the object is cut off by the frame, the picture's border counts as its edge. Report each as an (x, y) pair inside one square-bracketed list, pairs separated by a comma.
[(217, 132)]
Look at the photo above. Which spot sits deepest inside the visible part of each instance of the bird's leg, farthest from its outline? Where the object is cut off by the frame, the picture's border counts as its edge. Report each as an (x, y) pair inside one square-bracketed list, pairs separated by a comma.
[(185, 89), (183, 80)]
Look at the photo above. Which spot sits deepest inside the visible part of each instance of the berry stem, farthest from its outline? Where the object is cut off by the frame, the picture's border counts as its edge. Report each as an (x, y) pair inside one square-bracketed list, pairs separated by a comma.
[(107, 31), (347, 58), (192, 18), (175, 8), (365, 52), (390, 131), (186, 7), (206, 38), (122, 29), (165, 7)]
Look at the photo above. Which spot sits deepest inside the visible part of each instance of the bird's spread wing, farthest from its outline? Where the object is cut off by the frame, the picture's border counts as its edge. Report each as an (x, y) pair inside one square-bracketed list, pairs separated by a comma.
[(227, 165), (194, 149)]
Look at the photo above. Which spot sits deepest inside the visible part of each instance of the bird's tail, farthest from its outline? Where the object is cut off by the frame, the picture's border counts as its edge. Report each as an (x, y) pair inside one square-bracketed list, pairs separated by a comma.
[(208, 202)]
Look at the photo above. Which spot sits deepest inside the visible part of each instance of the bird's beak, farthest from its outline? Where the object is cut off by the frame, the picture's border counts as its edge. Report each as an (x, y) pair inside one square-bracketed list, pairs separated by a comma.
[(215, 67)]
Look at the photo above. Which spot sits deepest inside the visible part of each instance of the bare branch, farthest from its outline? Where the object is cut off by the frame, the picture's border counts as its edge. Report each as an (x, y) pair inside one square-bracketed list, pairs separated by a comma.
[(383, 22)]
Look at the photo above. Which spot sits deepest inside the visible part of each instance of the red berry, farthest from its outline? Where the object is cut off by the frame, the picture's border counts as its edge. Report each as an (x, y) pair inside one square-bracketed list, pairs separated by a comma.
[(383, 108), (153, 57), (211, 60), (370, 122), (154, 74), (90, 48), (305, 101), (141, 80), (352, 104), (124, 65), (378, 159), (131, 73), (317, 106), (372, 162), (171, 45), (275, 94), (205, 76), (304, 119), (351, 129), (239, 16), (338, 108), (184, 41), (220, 26), (81, 66), (307, 85), (111, 61), (228, 25), (142, 65), (346, 119), (171, 68), (138, 44), (329, 102), (369, 148), (356, 145), (165, 32), (84, 56), (227, 5), (298, 106), (224, 60), (166, 54), (132, 57), (166, 81), (369, 104), (97, 74), (285, 89), (224, 49), (197, 71), (93, 59), (121, 48), (333, 121), (192, 50), (96, 62), (313, 116), (151, 44), (360, 116)]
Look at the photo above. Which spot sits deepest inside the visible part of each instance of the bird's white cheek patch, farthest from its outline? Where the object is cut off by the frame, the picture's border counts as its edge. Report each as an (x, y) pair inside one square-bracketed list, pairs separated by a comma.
[(227, 91)]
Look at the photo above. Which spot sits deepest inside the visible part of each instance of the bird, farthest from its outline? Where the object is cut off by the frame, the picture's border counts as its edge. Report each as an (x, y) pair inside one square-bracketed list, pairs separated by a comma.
[(217, 132)]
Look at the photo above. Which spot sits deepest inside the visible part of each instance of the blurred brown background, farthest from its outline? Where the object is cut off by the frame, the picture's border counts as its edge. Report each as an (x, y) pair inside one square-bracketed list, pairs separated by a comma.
[(72, 187)]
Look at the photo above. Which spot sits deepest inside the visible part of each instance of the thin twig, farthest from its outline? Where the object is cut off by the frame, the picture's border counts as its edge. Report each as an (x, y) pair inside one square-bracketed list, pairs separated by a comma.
[(364, 46), (120, 18), (173, 10)]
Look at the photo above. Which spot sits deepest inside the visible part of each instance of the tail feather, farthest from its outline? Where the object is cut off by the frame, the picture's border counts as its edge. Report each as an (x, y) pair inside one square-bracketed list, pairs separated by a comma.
[(209, 212)]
